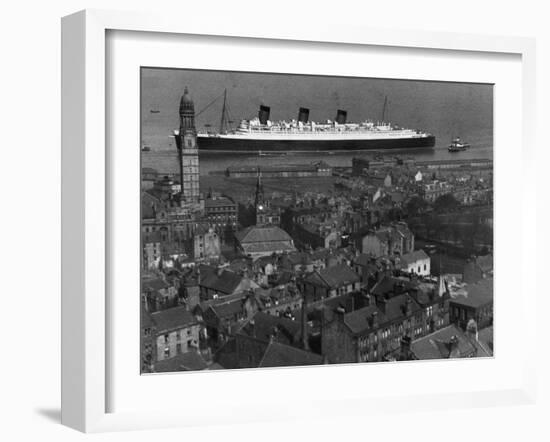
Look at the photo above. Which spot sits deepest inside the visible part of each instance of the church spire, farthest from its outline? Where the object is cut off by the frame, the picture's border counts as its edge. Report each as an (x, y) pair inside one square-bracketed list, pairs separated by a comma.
[(259, 200)]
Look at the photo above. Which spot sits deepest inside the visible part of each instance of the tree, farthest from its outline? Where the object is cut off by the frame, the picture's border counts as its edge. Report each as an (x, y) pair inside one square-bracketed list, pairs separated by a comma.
[(446, 203), (415, 206)]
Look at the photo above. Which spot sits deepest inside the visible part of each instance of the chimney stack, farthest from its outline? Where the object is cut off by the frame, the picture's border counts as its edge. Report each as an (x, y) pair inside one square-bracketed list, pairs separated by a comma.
[(471, 330), (405, 348), (263, 114), (408, 307), (303, 115), (341, 116), (454, 352), (381, 303), (374, 318)]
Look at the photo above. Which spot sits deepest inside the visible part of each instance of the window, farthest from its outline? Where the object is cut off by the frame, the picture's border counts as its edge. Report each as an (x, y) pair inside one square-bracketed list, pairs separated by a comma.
[(166, 352), (166, 338), (147, 331), (178, 348)]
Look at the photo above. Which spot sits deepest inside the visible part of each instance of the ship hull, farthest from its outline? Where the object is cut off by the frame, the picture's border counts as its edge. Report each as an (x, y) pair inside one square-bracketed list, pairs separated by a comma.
[(219, 144)]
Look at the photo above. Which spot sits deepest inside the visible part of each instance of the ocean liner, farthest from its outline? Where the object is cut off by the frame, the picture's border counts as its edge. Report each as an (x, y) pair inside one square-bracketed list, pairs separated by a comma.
[(260, 134)]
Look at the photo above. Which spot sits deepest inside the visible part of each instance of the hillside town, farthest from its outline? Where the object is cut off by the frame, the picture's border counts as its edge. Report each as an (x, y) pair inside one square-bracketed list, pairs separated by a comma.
[(389, 259)]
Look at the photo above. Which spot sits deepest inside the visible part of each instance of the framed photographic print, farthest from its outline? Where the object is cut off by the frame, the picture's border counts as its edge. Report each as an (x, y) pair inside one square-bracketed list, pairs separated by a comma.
[(262, 227)]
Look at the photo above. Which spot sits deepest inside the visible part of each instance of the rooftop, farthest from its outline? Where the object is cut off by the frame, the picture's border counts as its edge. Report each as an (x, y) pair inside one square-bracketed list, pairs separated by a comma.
[(254, 234), (228, 309), (485, 340), (414, 256), (438, 345), (219, 202), (396, 307), (267, 247), (224, 283), (389, 286), (281, 355), (183, 362), (263, 325), (361, 320), (475, 295), (173, 319), (332, 277), (153, 284)]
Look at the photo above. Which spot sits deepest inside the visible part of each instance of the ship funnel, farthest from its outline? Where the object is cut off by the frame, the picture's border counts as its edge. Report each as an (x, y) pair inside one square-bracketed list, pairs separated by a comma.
[(341, 116), (263, 114), (303, 115)]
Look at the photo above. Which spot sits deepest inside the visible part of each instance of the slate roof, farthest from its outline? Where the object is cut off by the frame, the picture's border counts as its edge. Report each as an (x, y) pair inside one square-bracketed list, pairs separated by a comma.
[(268, 246), (284, 277), (395, 307), (226, 356), (218, 202), (154, 284), (388, 285), (414, 256), (437, 345), (485, 340), (320, 254), (225, 283), (262, 325), (205, 269), (228, 309), (332, 277), (361, 320), (363, 260), (281, 355), (190, 361), (254, 234), (477, 295), (146, 320), (173, 319)]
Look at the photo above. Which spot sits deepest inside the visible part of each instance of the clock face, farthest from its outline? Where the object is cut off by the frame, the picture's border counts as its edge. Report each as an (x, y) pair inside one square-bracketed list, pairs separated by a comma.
[(189, 141)]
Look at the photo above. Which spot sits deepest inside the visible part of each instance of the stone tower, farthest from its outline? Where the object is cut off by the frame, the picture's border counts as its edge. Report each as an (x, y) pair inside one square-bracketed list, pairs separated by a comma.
[(188, 152)]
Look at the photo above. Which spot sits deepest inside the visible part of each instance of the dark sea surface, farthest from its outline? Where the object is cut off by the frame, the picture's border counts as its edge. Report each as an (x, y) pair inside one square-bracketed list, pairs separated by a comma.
[(444, 109)]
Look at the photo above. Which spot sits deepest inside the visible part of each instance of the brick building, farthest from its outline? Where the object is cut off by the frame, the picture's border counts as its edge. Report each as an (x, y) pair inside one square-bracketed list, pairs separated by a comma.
[(257, 241), (396, 310), (174, 331), (222, 213), (329, 282), (475, 302), (394, 239)]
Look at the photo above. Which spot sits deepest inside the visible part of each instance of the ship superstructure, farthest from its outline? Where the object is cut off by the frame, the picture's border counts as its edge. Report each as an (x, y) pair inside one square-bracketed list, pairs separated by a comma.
[(264, 135)]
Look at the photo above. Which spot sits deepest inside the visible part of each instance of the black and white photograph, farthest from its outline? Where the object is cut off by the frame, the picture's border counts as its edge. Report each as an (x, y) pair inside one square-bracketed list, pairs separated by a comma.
[(299, 220)]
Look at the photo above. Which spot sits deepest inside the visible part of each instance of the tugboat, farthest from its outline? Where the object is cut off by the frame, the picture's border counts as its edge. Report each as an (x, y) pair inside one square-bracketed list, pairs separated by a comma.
[(458, 145)]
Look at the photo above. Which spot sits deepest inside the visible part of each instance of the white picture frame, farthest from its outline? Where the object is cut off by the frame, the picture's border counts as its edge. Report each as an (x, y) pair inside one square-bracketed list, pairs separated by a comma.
[(86, 317)]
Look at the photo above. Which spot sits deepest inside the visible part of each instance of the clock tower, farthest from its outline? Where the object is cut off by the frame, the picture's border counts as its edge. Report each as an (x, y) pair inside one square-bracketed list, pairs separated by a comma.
[(188, 153)]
